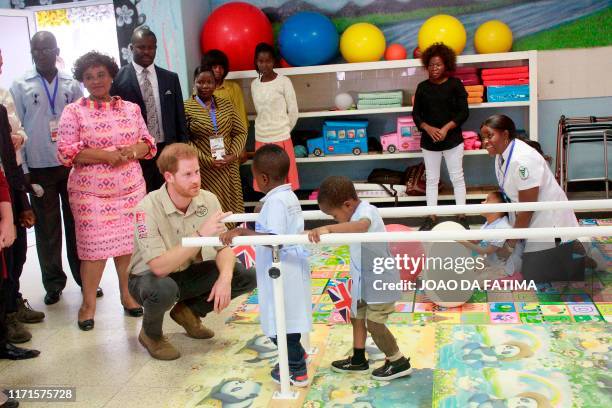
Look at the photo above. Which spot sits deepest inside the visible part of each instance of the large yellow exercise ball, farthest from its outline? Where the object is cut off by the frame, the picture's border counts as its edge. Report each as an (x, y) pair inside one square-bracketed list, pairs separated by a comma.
[(362, 42), (493, 36), (445, 29)]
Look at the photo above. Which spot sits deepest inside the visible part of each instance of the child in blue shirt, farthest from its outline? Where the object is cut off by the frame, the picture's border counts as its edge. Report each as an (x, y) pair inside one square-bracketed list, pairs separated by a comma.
[(370, 307), (280, 214), (497, 265)]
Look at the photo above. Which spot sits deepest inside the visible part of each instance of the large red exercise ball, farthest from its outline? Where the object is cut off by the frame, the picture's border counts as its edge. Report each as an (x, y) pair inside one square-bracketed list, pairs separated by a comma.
[(445, 29), (493, 36), (236, 28), (416, 53), (308, 38), (415, 251), (284, 64), (395, 52), (362, 42)]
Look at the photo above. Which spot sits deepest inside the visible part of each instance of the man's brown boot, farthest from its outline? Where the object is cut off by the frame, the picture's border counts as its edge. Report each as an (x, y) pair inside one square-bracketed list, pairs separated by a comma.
[(192, 324), (15, 330), (25, 313), (160, 349)]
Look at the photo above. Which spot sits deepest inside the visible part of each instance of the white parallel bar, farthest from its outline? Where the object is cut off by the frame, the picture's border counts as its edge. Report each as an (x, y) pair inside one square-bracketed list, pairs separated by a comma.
[(281, 334), (400, 212), (424, 236)]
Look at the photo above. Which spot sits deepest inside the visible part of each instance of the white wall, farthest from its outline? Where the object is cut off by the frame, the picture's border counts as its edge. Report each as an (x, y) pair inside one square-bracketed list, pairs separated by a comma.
[(194, 14), (575, 73)]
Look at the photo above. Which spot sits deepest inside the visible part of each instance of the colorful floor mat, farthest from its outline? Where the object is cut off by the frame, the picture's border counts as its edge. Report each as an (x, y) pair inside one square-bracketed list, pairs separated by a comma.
[(565, 365), (499, 350)]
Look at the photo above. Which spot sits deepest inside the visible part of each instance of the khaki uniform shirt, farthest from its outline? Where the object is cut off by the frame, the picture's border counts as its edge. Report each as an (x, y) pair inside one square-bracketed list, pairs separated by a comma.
[(160, 226)]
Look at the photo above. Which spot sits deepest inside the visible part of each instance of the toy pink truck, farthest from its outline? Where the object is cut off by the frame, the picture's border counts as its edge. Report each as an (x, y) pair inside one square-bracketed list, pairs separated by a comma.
[(406, 138)]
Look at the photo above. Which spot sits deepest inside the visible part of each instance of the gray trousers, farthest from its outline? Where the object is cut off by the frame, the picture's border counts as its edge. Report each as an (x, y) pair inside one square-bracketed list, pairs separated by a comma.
[(191, 286)]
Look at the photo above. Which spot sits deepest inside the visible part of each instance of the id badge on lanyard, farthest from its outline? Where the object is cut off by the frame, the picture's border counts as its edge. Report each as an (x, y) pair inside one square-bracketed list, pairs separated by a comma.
[(501, 178), (217, 147), (53, 129), (53, 123)]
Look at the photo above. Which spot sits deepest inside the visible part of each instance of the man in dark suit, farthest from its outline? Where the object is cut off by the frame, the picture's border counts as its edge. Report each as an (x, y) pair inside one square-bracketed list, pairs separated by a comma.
[(158, 93)]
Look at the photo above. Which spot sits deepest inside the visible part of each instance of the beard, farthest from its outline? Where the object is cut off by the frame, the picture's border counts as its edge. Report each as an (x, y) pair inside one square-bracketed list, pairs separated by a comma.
[(187, 191)]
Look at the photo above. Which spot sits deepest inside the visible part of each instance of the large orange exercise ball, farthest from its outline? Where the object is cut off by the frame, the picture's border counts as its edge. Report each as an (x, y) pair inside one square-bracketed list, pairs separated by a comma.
[(445, 29), (413, 249), (236, 28), (362, 42), (395, 52), (493, 36)]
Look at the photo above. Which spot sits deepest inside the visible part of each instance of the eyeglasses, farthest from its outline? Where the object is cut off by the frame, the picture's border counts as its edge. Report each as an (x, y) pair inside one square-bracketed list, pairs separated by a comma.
[(44, 51), (435, 66)]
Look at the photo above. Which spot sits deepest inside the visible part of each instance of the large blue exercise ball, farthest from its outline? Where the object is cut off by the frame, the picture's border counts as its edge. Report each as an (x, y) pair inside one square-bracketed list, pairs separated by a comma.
[(308, 38)]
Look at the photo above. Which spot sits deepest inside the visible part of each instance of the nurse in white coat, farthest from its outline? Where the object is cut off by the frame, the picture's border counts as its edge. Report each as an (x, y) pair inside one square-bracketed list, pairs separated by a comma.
[(524, 176)]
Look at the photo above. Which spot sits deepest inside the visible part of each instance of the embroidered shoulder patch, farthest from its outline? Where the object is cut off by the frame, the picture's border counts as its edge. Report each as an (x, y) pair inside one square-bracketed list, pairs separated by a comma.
[(141, 225)]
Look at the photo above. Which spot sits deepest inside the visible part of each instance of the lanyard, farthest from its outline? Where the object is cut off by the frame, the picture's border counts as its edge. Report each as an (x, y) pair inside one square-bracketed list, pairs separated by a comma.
[(212, 112), (49, 97), (501, 187)]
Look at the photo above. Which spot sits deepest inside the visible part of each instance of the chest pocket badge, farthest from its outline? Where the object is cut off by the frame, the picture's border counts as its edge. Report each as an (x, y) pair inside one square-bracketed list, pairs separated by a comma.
[(201, 211)]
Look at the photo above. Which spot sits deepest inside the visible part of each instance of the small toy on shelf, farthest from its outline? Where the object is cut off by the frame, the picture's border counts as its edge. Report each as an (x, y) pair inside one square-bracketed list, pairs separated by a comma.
[(471, 141), (343, 101), (341, 137), (406, 137)]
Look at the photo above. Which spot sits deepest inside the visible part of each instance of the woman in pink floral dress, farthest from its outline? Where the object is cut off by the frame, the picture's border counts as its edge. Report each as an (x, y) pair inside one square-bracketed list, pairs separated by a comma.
[(102, 138)]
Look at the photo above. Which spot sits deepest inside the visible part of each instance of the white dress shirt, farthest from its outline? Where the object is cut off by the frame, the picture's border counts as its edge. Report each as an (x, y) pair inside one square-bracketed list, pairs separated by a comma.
[(153, 79)]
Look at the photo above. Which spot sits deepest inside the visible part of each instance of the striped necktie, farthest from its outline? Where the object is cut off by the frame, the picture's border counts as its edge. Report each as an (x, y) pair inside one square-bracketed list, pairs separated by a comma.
[(149, 100)]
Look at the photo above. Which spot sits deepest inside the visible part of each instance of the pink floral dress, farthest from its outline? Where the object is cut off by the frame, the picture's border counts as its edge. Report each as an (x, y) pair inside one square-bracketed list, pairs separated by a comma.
[(102, 197)]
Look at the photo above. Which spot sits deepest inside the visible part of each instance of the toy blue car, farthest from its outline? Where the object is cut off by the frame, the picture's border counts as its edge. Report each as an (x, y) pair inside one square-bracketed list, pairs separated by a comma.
[(341, 137)]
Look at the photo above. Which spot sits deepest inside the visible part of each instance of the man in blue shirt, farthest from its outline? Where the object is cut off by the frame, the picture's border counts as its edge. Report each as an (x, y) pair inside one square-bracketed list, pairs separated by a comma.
[(40, 97)]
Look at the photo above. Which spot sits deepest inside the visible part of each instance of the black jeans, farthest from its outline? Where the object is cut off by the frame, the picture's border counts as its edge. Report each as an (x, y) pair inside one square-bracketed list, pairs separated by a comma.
[(191, 286), (295, 352), (565, 262), (48, 227), (15, 257)]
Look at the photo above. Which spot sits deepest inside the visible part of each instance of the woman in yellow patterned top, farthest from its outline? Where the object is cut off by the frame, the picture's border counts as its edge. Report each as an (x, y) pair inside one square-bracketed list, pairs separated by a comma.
[(217, 60), (213, 122)]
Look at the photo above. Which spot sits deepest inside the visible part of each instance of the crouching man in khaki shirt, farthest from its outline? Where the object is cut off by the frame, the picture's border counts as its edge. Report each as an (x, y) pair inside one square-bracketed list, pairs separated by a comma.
[(162, 272)]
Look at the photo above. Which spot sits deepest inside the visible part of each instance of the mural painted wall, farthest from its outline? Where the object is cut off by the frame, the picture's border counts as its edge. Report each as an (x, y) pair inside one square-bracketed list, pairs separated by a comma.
[(541, 24)]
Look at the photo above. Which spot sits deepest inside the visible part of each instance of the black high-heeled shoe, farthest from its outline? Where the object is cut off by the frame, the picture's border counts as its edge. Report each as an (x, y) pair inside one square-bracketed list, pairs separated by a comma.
[(134, 312), (86, 325)]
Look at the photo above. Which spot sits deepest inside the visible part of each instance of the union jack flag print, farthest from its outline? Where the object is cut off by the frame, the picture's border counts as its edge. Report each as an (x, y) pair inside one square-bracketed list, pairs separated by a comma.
[(340, 295)]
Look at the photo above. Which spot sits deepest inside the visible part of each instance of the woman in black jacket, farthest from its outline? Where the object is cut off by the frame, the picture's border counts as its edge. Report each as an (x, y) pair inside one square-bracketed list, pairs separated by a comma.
[(440, 108)]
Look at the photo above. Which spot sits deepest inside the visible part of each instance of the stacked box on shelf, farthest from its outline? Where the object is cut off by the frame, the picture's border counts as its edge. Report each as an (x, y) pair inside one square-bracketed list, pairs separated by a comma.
[(472, 82), (506, 84), (506, 93), (379, 100)]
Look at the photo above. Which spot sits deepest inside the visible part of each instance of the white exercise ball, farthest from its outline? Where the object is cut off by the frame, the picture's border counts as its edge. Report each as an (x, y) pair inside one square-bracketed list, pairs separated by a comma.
[(447, 298), (448, 226), (343, 101)]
